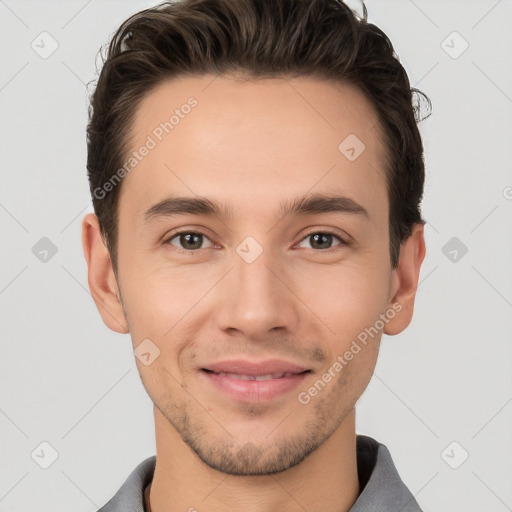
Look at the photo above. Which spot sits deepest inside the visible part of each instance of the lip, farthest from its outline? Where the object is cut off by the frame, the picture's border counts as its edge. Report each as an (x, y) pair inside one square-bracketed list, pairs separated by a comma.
[(238, 378), (244, 367)]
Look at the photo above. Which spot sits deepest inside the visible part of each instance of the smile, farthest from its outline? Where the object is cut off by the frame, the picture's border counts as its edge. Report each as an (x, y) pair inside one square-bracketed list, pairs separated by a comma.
[(251, 381), (268, 376)]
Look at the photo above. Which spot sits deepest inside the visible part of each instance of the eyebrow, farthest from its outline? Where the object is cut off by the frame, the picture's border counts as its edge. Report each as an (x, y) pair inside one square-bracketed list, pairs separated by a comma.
[(311, 204)]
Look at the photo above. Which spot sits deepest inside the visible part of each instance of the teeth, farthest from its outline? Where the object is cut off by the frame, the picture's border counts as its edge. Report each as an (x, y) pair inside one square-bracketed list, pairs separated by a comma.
[(268, 376)]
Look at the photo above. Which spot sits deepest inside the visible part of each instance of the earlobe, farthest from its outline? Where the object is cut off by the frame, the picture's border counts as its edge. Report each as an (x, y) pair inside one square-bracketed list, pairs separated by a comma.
[(101, 277), (405, 280)]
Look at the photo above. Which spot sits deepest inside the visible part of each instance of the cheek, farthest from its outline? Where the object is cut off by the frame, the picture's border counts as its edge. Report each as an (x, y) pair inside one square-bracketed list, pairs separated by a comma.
[(356, 372), (161, 301), (166, 305), (347, 299)]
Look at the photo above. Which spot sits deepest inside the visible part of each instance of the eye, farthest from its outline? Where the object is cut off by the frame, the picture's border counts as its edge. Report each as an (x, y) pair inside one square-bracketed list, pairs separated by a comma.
[(189, 240), (322, 240)]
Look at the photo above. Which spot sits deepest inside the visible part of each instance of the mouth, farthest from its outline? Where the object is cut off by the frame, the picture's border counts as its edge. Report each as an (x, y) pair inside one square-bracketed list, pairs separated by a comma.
[(254, 382), (239, 376)]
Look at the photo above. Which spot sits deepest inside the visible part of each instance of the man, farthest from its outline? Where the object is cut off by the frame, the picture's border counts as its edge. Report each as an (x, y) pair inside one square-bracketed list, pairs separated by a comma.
[(256, 172)]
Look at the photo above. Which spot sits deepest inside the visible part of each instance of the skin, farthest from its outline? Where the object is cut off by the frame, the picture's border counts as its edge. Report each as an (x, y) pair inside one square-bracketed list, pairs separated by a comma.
[(251, 145)]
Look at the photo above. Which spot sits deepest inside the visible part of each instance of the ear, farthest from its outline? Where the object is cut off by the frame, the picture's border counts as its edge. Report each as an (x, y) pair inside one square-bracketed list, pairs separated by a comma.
[(101, 278), (405, 280)]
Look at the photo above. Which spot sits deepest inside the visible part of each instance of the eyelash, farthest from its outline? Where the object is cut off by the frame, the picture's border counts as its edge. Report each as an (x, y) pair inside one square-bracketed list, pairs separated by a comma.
[(343, 242)]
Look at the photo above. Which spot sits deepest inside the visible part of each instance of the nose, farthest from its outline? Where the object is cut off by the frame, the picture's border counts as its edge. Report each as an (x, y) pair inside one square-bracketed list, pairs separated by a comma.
[(256, 298)]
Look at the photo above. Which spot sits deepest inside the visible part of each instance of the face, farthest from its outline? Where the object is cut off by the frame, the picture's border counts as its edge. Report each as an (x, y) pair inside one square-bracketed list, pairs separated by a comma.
[(250, 300)]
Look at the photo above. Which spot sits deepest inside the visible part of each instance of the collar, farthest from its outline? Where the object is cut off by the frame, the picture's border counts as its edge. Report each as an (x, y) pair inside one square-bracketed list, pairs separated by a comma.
[(381, 488)]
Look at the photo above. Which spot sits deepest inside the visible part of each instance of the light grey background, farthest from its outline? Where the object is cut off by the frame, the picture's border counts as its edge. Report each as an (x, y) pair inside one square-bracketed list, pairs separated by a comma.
[(68, 381)]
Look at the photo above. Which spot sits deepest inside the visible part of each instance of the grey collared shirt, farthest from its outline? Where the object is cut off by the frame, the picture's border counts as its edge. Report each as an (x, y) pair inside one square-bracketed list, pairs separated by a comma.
[(382, 489)]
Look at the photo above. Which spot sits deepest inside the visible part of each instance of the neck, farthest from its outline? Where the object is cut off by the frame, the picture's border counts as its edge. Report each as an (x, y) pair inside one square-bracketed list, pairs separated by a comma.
[(325, 481)]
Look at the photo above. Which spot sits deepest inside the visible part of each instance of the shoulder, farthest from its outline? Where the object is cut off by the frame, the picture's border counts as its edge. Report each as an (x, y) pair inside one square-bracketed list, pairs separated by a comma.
[(130, 496), (381, 487)]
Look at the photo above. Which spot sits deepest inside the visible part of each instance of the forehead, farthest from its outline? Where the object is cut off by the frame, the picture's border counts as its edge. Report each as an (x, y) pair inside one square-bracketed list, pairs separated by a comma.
[(242, 141)]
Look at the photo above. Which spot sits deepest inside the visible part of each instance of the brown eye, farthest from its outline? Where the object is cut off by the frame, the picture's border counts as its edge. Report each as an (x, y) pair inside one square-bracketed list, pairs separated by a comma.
[(321, 240), (188, 240)]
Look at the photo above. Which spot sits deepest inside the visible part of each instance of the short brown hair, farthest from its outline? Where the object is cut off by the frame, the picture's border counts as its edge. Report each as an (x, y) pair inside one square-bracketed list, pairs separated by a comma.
[(324, 39)]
